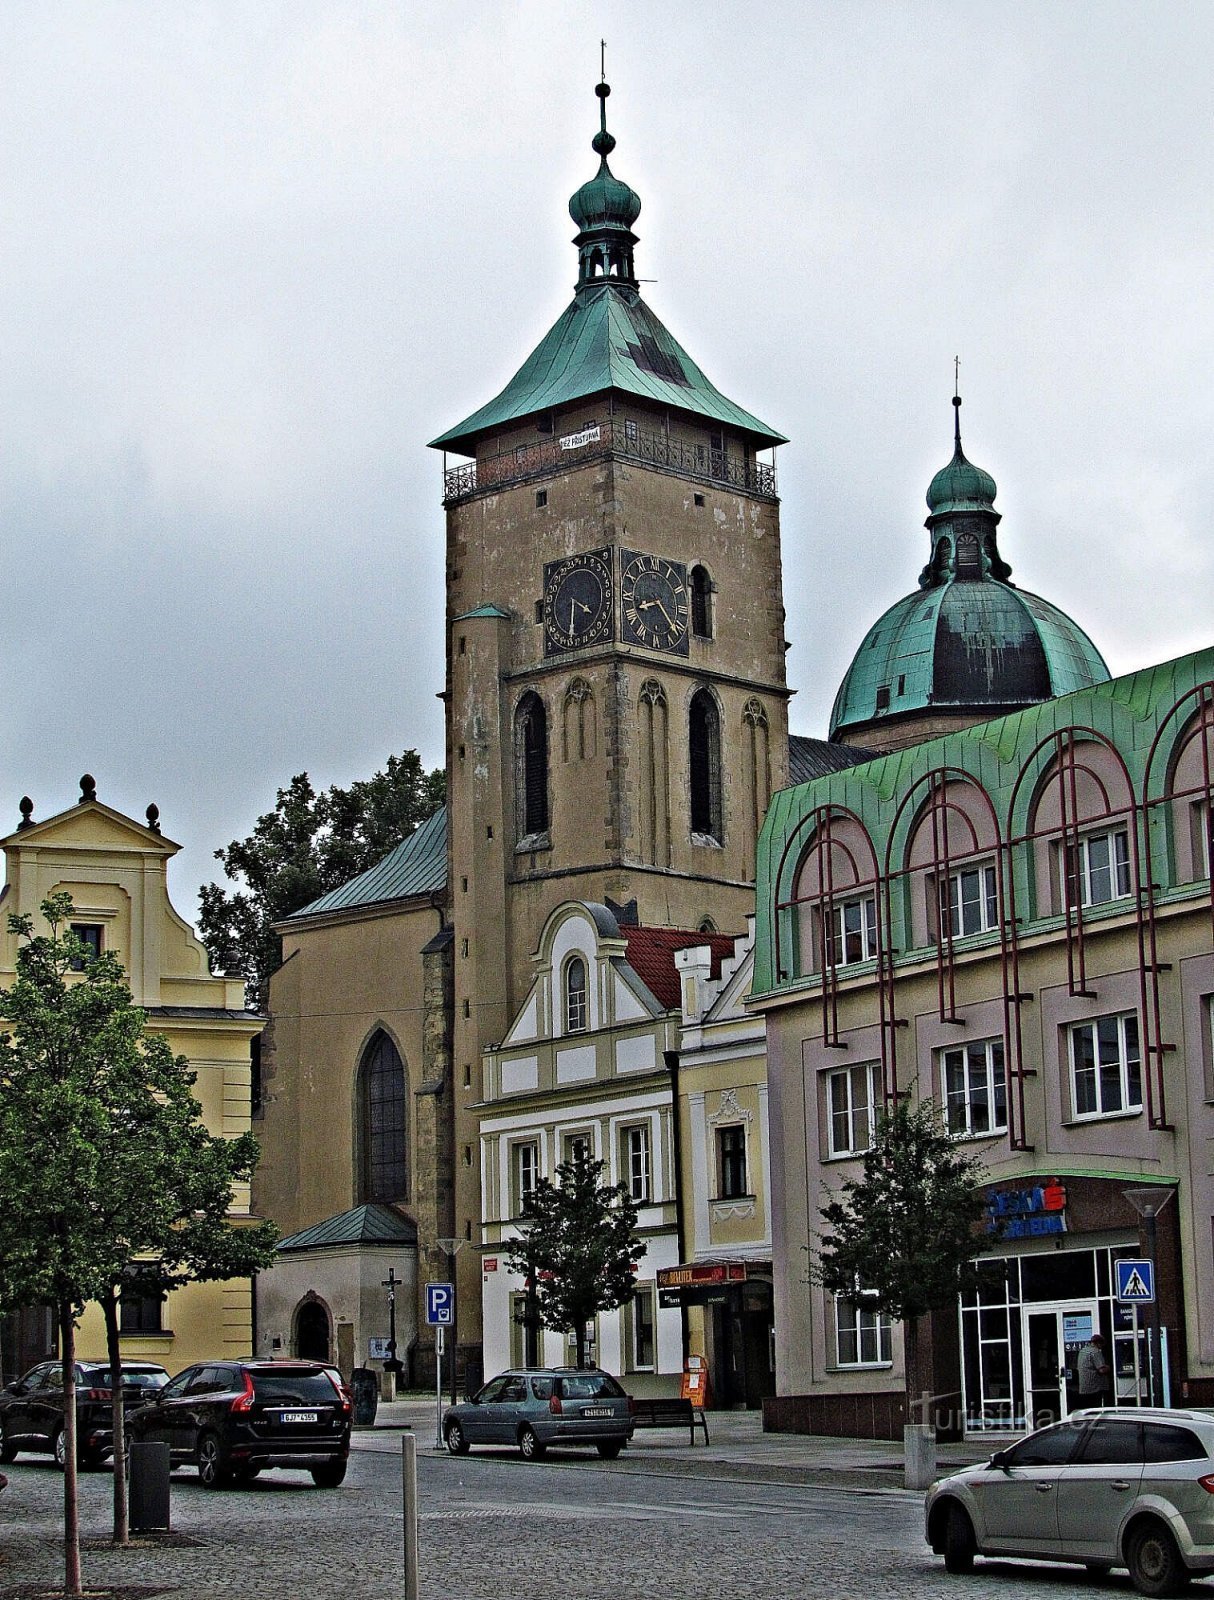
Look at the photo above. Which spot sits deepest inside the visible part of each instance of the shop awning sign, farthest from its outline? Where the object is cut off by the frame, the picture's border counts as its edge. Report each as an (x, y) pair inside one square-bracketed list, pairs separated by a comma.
[(1135, 1282), (1027, 1213)]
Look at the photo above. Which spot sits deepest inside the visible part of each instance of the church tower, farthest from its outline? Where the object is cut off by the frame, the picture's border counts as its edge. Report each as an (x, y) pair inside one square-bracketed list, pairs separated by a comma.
[(616, 703)]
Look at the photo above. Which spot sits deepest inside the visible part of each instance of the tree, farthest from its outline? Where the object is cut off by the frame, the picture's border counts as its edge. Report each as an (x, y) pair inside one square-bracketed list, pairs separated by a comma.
[(310, 843), (105, 1164), (903, 1237), (580, 1249)]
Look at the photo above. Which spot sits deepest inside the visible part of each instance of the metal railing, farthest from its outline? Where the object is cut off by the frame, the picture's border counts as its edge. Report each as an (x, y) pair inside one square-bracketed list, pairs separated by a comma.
[(610, 438)]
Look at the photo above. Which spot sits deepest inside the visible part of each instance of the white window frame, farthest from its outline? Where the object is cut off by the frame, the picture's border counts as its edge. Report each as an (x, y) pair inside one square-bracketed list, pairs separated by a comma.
[(574, 1136), (862, 937), (519, 1152), (978, 1075), (636, 1161), (953, 903), (575, 1006), (857, 1111), (1116, 842), (644, 1293), (1113, 1050), (868, 1333)]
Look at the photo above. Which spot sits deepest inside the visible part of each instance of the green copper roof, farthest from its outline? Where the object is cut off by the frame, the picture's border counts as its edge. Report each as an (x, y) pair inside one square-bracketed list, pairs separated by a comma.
[(416, 866), (608, 339), (371, 1224)]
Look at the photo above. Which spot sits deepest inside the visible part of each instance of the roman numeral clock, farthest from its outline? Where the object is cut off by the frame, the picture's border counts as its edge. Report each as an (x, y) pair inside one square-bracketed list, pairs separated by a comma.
[(653, 602), (579, 602)]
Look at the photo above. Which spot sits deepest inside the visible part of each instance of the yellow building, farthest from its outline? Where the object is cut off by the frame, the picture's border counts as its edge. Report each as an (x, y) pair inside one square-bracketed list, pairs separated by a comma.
[(115, 870)]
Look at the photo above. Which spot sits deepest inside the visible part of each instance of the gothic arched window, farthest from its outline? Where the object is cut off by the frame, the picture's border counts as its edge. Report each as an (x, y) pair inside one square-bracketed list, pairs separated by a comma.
[(701, 603), (383, 1108), (704, 750), (531, 754), (576, 1009)]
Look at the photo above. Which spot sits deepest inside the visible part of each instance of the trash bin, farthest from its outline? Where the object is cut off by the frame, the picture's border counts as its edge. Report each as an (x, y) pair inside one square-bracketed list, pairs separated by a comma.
[(365, 1386), (148, 1499)]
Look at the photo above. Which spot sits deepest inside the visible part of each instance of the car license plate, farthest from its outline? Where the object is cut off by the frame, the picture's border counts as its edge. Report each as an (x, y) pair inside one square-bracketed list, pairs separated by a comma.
[(597, 1411), (297, 1416)]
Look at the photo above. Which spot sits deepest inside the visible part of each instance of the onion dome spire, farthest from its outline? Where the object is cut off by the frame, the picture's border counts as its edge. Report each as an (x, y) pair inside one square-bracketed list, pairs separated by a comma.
[(962, 520), (604, 210)]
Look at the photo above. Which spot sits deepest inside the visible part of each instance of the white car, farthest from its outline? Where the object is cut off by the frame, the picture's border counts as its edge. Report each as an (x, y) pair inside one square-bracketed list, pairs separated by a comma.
[(1111, 1488)]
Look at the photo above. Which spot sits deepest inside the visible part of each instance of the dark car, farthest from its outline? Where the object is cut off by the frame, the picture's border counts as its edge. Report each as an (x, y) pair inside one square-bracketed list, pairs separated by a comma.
[(537, 1407), (31, 1409), (231, 1419)]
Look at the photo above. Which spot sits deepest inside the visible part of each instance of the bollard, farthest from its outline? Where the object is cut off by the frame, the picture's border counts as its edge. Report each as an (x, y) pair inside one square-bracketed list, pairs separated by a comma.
[(408, 1463), (365, 1387), (148, 1504)]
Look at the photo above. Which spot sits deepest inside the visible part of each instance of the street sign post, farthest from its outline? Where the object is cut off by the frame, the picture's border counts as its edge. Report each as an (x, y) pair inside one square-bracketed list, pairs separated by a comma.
[(1135, 1282), (440, 1304)]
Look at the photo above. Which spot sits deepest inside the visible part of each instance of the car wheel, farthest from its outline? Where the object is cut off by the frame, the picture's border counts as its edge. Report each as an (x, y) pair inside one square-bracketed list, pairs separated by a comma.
[(213, 1472), (609, 1448), (456, 1442), (330, 1476), (8, 1450), (529, 1446), (1155, 1564), (59, 1449), (960, 1547)]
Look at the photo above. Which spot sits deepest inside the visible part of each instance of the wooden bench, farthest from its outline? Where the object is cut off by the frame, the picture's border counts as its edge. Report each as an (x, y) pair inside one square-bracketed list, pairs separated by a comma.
[(670, 1413)]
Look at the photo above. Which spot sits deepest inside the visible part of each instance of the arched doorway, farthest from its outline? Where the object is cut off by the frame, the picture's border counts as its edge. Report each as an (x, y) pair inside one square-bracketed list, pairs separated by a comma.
[(312, 1332)]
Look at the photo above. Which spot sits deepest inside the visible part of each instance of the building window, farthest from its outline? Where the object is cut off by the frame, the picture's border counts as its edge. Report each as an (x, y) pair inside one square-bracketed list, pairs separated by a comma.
[(974, 1088), (862, 1336), (384, 1109), (140, 1313), (576, 1004), (853, 1095), (541, 499), (531, 739), (731, 1162), (90, 935), (1098, 868), (701, 603), (630, 431), (640, 1318), (705, 762), (969, 901), (1106, 1066), (525, 1160), (634, 1159), (853, 931), (577, 1148)]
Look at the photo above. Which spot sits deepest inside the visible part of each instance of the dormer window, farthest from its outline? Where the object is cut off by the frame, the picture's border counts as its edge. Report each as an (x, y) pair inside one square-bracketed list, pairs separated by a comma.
[(576, 1007), (89, 934), (1098, 868)]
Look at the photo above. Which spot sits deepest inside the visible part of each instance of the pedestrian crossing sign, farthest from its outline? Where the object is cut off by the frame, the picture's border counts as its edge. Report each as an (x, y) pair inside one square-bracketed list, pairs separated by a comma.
[(1135, 1282)]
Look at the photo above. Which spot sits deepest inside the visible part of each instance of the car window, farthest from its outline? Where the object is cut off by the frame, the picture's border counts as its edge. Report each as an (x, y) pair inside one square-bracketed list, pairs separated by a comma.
[(1111, 1441), (541, 1388), (1164, 1442), (590, 1386), (52, 1378), (491, 1392), (515, 1389), (33, 1378), (177, 1386), (1052, 1447), (294, 1388), (207, 1380)]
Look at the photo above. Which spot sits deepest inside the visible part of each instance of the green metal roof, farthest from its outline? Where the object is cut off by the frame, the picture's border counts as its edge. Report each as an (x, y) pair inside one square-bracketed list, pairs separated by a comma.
[(371, 1224), (966, 643), (416, 866), (608, 339)]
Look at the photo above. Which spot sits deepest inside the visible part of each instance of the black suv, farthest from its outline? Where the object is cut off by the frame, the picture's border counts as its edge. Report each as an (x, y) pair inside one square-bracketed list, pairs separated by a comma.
[(31, 1410), (232, 1418)]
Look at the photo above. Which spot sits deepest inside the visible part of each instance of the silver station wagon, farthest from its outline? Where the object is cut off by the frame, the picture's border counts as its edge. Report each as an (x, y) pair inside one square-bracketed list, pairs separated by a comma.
[(535, 1407), (1109, 1488)]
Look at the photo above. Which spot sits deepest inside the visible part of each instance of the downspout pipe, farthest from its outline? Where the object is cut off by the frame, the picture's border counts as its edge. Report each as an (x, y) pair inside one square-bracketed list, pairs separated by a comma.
[(671, 1060)]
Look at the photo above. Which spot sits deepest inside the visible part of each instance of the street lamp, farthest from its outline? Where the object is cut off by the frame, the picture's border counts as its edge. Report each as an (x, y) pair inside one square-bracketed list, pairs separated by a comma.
[(1149, 1203)]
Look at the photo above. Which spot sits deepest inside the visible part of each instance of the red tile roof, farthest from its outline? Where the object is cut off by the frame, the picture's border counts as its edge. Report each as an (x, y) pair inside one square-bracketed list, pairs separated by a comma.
[(651, 957)]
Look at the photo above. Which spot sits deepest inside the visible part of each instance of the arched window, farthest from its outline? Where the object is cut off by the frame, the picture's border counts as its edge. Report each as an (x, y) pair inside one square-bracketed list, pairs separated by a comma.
[(704, 749), (655, 775), (383, 1110), (701, 603), (579, 727), (577, 1014), (706, 925), (531, 754)]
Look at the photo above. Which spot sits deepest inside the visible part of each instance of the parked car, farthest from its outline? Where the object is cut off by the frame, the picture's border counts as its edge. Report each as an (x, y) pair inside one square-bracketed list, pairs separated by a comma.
[(1111, 1488), (535, 1407), (31, 1409), (231, 1419)]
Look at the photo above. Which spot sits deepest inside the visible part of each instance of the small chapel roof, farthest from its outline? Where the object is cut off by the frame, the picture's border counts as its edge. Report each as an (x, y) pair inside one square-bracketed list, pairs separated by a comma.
[(417, 866), (370, 1224)]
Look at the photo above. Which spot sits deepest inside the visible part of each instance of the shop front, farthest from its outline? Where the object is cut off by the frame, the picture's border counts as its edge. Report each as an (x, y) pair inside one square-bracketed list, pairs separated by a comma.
[(1048, 1285), (735, 1303)]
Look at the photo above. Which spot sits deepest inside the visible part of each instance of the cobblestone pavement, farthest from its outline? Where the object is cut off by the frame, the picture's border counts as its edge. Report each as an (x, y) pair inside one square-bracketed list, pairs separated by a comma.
[(492, 1527)]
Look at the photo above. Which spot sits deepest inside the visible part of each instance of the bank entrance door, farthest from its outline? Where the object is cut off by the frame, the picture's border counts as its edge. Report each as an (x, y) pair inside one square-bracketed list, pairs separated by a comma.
[(1054, 1334)]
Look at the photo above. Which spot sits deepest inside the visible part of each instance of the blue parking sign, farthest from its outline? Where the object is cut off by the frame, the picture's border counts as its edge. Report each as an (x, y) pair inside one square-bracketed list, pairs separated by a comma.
[(1135, 1282), (440, 1304)]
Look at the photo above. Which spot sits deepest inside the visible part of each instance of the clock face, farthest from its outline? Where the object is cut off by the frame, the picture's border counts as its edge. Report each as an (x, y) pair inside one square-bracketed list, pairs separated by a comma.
[(653, 602), (578, 602)]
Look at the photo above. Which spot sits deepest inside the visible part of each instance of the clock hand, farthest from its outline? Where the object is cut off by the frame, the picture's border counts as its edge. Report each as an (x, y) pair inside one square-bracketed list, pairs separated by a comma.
[(664, 612)]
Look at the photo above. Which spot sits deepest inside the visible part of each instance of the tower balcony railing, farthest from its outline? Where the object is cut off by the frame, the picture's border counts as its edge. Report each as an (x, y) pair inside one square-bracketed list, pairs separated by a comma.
[(597, 441)]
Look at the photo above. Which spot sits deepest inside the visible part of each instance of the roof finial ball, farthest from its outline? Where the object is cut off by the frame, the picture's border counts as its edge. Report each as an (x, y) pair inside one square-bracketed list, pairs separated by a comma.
[(603, 142), (88, 787), (153, 815), (27, 813)]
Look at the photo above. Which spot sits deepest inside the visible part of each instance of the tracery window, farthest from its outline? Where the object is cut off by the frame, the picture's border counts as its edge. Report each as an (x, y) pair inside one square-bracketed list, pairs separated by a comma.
[(384, 1108)]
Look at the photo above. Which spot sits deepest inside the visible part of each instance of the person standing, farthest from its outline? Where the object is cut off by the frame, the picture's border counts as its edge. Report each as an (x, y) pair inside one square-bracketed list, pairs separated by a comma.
[(1095, 1375)]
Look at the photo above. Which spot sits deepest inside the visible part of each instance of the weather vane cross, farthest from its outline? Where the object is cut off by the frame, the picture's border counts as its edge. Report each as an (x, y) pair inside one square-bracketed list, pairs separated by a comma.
[(603, 59), (956, 374)]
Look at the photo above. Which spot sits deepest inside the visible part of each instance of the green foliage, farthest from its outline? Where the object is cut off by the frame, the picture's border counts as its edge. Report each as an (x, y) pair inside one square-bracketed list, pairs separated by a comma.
[(906, 1232), (580, 1249), (310, 843)]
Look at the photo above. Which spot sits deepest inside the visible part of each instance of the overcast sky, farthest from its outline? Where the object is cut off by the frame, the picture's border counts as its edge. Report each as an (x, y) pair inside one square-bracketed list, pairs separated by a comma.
[(254, 255)]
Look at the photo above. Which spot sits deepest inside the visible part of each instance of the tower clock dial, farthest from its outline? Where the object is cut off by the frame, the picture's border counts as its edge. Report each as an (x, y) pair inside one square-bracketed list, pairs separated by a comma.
[(579, 602), (653, 602)]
